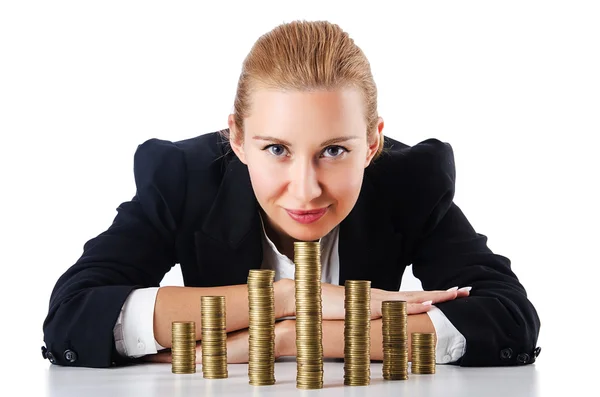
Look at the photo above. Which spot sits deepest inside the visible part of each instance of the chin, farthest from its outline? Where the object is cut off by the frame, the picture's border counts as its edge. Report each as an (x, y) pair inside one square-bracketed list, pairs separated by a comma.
[(309, 232)]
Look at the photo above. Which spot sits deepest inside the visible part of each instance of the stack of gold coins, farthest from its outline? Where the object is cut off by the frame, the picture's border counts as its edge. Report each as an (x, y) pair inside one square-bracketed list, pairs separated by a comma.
[(423, 353), (309, 327), (357, 333), (261, 300), (214, 337), (183, 347), (395, 340)]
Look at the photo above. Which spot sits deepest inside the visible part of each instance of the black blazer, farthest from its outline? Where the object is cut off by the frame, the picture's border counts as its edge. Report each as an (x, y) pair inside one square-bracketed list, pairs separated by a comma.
[(194, 205)]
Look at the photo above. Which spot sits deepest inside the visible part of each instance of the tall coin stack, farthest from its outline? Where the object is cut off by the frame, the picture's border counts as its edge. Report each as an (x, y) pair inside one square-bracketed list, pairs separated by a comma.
[(183, 347), (395, 340), (423, 353), (214, 337), (261, 363), (357, 333), (309, 327)]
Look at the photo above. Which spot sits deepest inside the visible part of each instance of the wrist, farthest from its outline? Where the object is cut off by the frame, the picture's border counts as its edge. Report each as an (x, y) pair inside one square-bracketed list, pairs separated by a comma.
[(283, 291), (285, 338), (418, 323)]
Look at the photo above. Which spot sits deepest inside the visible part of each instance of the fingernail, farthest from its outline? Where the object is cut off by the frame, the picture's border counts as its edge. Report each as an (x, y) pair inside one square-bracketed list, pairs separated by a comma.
[(452, 289), (465, 289), (427, 303)]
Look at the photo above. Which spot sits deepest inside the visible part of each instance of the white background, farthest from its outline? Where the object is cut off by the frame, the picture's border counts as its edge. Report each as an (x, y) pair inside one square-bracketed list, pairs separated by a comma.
[(513, 86)]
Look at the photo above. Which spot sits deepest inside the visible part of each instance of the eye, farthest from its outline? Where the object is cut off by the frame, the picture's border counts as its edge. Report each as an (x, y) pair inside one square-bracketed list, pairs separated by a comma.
[(334, 151), (275, 150)]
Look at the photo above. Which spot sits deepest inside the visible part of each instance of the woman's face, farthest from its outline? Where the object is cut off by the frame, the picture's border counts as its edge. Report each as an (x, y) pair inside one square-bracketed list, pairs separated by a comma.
[(306, 151)]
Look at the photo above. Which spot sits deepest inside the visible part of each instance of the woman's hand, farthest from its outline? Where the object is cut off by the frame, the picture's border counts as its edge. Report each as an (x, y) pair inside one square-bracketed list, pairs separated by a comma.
[(417, 301)]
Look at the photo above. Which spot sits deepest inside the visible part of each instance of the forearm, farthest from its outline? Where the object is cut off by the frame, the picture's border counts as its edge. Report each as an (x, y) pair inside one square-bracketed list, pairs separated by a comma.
[(177, 303), (333, 336)]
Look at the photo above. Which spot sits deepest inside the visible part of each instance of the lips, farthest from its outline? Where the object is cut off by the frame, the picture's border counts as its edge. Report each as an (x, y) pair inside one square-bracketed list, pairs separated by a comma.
[(306, 217), (299, 212)]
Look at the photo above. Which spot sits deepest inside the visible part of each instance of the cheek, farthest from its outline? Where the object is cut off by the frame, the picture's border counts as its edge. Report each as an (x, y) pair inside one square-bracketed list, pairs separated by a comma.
[(345, 187), (265, 181)]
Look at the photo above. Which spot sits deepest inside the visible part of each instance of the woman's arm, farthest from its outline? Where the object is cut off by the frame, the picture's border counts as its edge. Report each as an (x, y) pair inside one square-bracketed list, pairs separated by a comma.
[(498, 321), (134, 252), (173, 303), (333, 336), (285, 340)]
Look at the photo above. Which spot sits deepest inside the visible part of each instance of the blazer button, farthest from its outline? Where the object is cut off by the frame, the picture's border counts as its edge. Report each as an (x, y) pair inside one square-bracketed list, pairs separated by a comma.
[(70, 356), (51, 358), (505, 354), (523, 358)]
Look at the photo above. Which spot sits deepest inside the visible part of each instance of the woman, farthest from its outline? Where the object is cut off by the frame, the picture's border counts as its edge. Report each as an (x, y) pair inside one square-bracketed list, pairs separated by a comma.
[(303, 159)]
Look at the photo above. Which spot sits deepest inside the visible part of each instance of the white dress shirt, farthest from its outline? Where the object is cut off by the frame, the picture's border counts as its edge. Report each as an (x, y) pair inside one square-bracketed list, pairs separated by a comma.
[(134, 329)]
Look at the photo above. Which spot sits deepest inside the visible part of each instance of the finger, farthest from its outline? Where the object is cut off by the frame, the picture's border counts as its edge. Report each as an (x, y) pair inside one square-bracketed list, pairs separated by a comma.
[(375, 314), (418, 308), (375, 310), (434, 296), (443, 296), (462, 292)]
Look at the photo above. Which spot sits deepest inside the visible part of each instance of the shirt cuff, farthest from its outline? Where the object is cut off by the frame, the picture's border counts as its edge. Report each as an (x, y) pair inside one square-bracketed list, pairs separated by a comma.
[(134, 329), (451, 344)]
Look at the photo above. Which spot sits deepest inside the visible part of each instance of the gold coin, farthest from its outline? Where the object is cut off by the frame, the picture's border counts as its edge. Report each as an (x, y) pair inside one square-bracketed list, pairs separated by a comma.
[(395, 340), (261, 345), (357, 333), (309, 335), (183, 351), (423, 353)]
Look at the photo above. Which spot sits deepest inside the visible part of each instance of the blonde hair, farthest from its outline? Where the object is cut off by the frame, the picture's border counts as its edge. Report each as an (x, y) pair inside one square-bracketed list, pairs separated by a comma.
[(305, 56)]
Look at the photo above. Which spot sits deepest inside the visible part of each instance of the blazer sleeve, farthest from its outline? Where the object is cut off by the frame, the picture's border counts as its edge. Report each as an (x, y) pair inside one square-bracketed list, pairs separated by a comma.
[(134, 252), (500, 324)]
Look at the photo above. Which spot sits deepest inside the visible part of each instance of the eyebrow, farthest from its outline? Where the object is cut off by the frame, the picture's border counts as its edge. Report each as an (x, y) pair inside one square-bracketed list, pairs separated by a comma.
[(282, 142)]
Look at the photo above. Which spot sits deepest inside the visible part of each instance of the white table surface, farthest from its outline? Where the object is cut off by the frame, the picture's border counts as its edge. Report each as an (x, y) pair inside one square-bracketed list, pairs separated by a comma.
[(150, 380)]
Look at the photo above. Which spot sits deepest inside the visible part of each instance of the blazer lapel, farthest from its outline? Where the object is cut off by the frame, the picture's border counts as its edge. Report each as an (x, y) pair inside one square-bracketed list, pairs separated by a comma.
[(369, 246), (229, 242)]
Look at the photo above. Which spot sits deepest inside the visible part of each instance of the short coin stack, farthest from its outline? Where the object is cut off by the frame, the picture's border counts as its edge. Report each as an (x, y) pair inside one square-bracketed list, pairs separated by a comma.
[(395, 340), (309, 328), (183, 347), (423, 353), (357, 333), (214, 337), (261, 363)]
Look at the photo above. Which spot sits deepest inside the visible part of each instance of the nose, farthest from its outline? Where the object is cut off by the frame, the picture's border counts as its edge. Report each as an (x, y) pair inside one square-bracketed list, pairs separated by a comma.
[(304, 181)]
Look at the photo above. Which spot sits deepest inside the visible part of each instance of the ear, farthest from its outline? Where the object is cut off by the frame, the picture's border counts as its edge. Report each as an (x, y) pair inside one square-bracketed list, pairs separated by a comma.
[(375, 142), (235, 139)]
